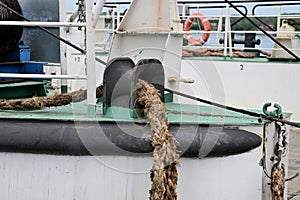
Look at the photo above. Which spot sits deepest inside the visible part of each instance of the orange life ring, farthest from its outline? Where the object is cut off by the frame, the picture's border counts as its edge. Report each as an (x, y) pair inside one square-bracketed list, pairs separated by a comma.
[(187, 27)]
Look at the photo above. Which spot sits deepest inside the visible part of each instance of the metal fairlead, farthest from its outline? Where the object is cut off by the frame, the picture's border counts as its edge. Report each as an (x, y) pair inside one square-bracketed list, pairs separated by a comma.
[(275, 113)]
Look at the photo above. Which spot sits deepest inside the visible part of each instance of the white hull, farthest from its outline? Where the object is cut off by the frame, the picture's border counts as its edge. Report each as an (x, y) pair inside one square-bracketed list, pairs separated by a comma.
[(48, 177)]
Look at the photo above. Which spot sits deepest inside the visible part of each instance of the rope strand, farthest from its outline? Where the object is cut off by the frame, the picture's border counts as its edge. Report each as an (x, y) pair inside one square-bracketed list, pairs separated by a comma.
[(165, 157), (36, 103)]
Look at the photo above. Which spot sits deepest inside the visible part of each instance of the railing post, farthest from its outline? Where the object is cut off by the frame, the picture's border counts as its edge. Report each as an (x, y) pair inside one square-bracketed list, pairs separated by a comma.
[(118, 15), (113, 19), (220, 25), (278, 18), (226, 30), (90, 60), (183, 11), (63, 47)]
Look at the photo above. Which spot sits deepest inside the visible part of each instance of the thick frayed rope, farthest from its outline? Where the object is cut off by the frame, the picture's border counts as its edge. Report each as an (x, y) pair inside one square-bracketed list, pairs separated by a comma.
[(164, 173)]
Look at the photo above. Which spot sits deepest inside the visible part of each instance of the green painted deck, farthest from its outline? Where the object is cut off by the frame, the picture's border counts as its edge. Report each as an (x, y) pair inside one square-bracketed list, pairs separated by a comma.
[(177, 114)]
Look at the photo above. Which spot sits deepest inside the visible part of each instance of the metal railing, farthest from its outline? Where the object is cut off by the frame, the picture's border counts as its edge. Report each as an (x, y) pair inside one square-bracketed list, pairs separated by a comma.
[(187, 7)]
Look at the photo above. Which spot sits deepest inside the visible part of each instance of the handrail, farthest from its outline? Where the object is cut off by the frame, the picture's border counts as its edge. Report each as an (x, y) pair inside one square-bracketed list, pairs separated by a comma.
[(44, 24), (201, 1), (265, 32), (265, 5), (41, 76), (238, 20), (237, 1), (196, 7), (278, 4), (192, 5)]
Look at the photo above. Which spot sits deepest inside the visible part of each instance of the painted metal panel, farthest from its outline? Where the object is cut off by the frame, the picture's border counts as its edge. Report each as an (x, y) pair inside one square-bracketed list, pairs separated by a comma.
[(243, 84), (148, 32), (48, 177), (151, 16)]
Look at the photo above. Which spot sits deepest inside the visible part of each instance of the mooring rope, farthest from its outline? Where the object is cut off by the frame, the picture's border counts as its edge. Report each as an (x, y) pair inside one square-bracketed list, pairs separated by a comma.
[(165, 156), (36, 103)]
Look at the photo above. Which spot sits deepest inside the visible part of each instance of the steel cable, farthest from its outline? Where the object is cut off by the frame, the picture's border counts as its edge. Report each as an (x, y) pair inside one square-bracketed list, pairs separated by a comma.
[(242, 111)]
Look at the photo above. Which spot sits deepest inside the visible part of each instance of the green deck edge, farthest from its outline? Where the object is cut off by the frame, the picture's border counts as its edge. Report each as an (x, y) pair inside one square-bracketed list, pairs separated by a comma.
[(177, 114), (22, 90)]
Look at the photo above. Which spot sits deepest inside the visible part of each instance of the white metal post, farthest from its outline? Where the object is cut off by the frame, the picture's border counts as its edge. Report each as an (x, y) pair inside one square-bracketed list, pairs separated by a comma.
[(118, 15), (183, 11), (90, 59), (226, 31), (219, 31), (278, 18), (229, 36), (63, 47)]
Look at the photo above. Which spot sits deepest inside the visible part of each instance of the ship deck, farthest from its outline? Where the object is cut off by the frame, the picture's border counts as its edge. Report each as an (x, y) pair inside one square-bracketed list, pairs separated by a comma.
[(177, 114)]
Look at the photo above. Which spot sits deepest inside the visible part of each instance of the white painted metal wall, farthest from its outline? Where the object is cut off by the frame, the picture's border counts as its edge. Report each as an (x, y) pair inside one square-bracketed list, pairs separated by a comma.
[(49, 177), (244, 84)]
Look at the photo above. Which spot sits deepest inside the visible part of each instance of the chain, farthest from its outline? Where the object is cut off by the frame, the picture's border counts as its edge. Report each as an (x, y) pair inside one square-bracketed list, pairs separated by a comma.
[(81, 12), (278, 170)]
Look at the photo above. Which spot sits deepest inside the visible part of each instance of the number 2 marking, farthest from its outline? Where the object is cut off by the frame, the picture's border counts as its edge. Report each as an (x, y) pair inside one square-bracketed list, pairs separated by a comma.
[(241, 67)]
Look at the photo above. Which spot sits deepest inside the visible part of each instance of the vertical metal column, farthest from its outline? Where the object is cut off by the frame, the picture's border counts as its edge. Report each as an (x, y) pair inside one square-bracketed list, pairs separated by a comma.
[(220, 25), (183, 11), (118, 15), (90, 59), (229, 37), (278, 18), (226, 31), (63, 47)]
